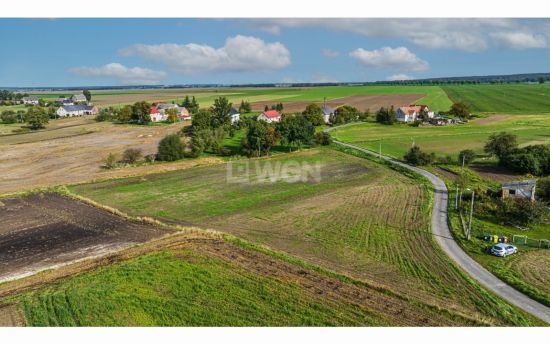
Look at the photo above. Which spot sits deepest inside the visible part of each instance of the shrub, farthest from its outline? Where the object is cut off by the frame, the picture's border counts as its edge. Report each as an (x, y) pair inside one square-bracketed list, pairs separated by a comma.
[(170, 148), (224, 151), (8, 117), (416, 157), (522, 211), (386, 116), (132, 155), (543, 189), (468, 155), (110, 161), (314, 114), (103, 117), (323, 138)]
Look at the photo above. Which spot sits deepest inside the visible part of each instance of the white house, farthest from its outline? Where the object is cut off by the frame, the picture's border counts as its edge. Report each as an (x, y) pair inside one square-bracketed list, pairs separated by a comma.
[(271, 116), (328, 113), (30, 100), (159, 112), (79, 98), (410, 113), (77, 110), (235, 116)]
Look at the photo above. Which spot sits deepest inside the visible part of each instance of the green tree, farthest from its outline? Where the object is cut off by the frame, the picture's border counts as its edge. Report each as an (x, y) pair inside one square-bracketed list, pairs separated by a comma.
[(202, 120), (468, 155), (8, 117), (415, 156), (386, 116), (173, 115), (314, 114), (220, 112), (186, 103), (322, 138), (36, 117), (501, 145), (296, 130), (543, 189), (141, 112), (245, 107), (259, 139), (541, 80), (88, 95), (170, 148), (460, 109), (345, 114), (125, 114)]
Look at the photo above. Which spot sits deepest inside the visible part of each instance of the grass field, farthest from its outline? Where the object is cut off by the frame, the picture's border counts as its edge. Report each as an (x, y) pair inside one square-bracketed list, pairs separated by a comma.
[(503, 98), (360, 219), (185, 288), (397, 139)]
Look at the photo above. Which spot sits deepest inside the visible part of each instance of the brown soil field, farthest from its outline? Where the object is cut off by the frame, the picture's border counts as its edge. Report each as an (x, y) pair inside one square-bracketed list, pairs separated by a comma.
[(45, 230), (397, 311), (72, 151), (496, 173), (361, 102)]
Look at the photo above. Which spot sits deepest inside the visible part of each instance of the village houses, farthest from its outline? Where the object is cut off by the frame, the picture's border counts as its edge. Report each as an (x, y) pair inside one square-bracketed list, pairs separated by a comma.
[(159, 112), (271, 116), (30, 100), (412, 112), (76, 110), (519, 189)]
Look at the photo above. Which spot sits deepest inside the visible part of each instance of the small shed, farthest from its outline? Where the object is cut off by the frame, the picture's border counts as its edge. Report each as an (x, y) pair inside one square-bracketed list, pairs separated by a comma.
[(519, 189)]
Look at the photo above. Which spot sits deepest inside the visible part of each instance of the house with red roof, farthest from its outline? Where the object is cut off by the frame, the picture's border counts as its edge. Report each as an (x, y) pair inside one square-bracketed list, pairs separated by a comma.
[(271, 116), (156, 115), (410, 113)]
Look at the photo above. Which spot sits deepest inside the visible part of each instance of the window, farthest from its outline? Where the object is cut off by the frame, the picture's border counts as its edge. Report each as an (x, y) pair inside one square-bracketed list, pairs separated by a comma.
[(512, 191)]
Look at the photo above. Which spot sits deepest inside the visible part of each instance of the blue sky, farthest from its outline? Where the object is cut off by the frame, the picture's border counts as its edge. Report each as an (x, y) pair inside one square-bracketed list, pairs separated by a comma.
[(94, 52)]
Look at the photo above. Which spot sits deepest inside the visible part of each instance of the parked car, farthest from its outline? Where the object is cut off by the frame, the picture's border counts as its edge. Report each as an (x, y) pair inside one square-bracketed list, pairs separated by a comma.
[(503, 250)]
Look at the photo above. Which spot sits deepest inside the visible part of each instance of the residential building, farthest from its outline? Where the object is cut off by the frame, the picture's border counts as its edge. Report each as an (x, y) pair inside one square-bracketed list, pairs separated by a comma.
[(79, 98), (235, 116), (328, 113), (410, 113), (519, 189), (271, 116), (77, 110), (30, 100)]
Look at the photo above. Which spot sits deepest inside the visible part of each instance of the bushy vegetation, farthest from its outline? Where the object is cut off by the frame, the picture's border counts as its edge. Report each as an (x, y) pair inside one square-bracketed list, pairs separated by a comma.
[(466, 156), (417, 157), (37, 117), (461, 110), (323, 138), (386, 115), (170, 148)]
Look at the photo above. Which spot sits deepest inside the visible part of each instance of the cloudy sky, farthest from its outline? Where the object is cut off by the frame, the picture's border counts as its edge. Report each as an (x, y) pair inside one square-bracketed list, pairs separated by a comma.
[(73, 52)]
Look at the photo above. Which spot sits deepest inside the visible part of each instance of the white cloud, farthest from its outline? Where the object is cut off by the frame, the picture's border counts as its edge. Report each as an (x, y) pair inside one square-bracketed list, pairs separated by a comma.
[(269, 28), (399, 77), (400, 59), (330, 53), (239, 54), (468, 34), (520, 40), (122, 74)]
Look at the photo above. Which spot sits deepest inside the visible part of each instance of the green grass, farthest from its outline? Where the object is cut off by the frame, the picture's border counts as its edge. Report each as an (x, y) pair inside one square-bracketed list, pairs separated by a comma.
[(397, 139), (361, 219), (184, 287), (503, 98)]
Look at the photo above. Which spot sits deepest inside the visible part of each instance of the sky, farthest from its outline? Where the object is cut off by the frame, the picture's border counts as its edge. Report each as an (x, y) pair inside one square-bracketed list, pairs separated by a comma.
[(110, 52)]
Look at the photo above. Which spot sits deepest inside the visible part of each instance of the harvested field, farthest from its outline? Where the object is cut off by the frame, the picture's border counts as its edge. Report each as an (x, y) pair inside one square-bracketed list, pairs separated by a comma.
[(43, 231), (533, 268), (73, 151), (360, 219), (361, 102), (201, 281), (496, 173)]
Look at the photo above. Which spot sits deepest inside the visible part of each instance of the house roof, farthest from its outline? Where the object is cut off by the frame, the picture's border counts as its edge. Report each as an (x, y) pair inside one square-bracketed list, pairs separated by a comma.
[(520, 183), (79, 97), (166, 106), (71, 108), (29, 98), (153, 110), (327, 110), (233, 111), (271, 114)]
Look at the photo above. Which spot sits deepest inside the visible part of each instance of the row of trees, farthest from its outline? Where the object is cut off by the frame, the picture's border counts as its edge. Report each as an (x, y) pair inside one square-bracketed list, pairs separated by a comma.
[(8, 95)]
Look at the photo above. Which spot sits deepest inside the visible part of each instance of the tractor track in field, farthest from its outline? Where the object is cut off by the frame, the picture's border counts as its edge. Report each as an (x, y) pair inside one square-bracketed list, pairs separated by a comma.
[(445, 240)]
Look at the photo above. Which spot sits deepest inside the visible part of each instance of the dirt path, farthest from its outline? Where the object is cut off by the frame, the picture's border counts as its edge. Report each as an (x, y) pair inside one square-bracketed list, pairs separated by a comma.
[(445, 240)]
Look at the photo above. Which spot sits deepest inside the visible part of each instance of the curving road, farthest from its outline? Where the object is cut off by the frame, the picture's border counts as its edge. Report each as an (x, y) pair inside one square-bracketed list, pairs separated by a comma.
[(445, 240)]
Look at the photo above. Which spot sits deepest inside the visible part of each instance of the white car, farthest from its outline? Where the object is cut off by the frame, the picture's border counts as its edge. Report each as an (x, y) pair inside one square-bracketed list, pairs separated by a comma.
[(503, 250)]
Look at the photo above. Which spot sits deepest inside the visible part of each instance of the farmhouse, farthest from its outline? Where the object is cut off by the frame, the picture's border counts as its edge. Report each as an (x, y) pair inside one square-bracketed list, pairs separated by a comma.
[(77, 110), (271, 116), (158, 112), (519, 189), (30, 100), (64, 101), (235, 115), (328, 113), (79, 98), (410, 113)]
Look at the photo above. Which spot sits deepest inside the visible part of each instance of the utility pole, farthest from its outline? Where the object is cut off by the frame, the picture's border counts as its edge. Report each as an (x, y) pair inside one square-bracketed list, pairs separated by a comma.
[(380, 149), (469, 234), (456, 198), (463, 155)]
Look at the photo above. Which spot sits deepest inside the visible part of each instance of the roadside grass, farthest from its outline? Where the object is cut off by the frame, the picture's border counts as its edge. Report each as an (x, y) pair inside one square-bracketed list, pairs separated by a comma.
[(185, 287), (362, 220), (443, 140), (506, 98)]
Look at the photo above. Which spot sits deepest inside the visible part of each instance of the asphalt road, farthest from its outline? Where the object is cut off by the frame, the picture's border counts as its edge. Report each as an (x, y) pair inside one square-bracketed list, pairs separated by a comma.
[(445, 239)]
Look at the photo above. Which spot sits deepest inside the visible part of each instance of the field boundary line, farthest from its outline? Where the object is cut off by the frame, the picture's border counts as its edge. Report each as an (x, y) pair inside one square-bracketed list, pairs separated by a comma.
[(444, 238)]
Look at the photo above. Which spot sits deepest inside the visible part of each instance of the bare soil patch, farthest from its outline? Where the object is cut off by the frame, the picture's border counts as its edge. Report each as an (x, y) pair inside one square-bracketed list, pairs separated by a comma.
[(496, 173), (361, 102), (10, 316), (491, 119), (43, 231)]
